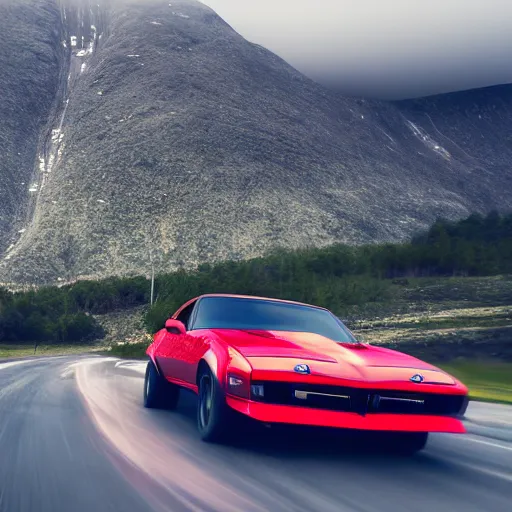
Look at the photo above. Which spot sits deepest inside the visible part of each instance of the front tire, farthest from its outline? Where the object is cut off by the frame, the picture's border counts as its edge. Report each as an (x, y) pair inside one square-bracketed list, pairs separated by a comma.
[(409, 443), (213, 414), (158, 392), (415, 442)]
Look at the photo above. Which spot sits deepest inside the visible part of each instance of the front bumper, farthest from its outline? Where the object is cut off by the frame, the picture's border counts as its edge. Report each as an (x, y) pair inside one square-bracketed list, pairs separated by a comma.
[(274, 413)]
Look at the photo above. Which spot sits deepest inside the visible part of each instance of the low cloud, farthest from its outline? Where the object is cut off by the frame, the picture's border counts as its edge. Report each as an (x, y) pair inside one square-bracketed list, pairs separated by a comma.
[(378, 48)]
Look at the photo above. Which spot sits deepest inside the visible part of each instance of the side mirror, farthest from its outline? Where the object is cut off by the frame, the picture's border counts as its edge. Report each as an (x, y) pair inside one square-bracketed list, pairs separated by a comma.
[(175, 327)]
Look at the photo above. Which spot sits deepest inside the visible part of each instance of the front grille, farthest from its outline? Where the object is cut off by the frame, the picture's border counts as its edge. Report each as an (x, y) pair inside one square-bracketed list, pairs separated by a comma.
[(361, 401)]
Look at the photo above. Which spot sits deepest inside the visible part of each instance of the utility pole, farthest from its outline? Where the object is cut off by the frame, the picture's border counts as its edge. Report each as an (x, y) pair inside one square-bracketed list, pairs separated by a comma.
[(152, 276), (150, 235)]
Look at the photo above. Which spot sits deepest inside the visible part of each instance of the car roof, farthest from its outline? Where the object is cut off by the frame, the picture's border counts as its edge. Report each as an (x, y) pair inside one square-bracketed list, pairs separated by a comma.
[(238, 296)]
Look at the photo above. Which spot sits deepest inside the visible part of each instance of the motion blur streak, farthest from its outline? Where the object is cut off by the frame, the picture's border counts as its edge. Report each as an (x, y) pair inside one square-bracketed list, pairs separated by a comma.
[(489, 444), (12, 363), (170, 465)]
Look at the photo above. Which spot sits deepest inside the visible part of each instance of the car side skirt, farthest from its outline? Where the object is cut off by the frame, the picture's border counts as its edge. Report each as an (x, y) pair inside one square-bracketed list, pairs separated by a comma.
[(183, 384), (271, 413)]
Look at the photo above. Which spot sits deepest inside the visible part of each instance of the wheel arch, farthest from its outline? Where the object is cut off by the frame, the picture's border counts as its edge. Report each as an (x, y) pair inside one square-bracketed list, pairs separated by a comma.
[(152, 359), (218, 359), (152, 350), (208, 362)]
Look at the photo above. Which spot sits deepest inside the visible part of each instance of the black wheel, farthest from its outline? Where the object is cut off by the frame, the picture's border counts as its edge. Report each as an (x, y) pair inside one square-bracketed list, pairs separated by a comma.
[(213, 415), (415, 442), (409, 443), (158, 392), (401, 443)]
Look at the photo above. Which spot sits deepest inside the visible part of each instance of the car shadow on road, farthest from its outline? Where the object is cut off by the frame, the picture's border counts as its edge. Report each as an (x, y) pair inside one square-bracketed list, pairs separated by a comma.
[(290, 442)]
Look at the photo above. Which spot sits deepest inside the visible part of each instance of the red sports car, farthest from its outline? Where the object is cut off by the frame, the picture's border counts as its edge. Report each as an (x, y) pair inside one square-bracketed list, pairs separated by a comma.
[(280, 361)]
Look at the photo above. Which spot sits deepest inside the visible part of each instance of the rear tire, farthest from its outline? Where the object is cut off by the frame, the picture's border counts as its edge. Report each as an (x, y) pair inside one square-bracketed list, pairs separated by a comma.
[(213, 414), (158, 392)]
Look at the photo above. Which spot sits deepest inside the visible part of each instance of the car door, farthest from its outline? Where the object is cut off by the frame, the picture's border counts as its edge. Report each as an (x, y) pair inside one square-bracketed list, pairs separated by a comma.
[(179, 354)]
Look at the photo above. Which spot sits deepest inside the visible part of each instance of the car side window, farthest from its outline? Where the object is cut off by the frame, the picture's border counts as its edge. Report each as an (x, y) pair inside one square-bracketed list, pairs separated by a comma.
[(184, 316)]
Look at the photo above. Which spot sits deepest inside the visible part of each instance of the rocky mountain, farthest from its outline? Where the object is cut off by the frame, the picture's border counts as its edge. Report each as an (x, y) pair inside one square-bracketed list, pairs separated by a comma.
[(31, 59), (138, 130)]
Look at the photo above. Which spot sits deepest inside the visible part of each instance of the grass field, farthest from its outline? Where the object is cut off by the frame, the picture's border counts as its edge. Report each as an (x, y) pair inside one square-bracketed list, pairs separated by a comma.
[(441, 319), (489, 381), (15, 351)]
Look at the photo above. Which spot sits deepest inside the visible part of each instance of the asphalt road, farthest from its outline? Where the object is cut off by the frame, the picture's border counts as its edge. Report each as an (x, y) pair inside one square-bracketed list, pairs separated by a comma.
[(75, 437)]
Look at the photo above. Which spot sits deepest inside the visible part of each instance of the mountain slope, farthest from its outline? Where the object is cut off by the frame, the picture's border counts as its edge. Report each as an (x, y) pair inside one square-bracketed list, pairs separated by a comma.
[(30, 60), (177, 137), (475, 127)]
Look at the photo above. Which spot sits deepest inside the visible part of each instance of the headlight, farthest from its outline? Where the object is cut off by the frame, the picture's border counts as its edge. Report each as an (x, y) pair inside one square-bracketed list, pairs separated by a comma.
[(235, 381), (238, 385)]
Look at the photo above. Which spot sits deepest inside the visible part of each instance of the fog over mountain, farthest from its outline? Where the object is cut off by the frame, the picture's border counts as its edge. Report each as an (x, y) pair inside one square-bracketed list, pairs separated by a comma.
[(129, 128), (390, 49)]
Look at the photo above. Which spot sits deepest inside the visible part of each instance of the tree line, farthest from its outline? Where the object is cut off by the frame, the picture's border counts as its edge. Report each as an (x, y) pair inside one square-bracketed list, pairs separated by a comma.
[(332, 277)]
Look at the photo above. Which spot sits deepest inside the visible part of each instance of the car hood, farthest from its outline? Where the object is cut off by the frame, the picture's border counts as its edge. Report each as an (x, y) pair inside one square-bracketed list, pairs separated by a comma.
[(281, 351)]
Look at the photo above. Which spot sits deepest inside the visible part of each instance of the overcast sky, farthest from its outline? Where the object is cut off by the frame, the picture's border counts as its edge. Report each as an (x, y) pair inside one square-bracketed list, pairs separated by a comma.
[(383, 48)]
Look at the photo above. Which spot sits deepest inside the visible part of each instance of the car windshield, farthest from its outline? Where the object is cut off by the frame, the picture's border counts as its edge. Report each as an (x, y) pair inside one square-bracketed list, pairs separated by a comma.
[(268, 315)]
